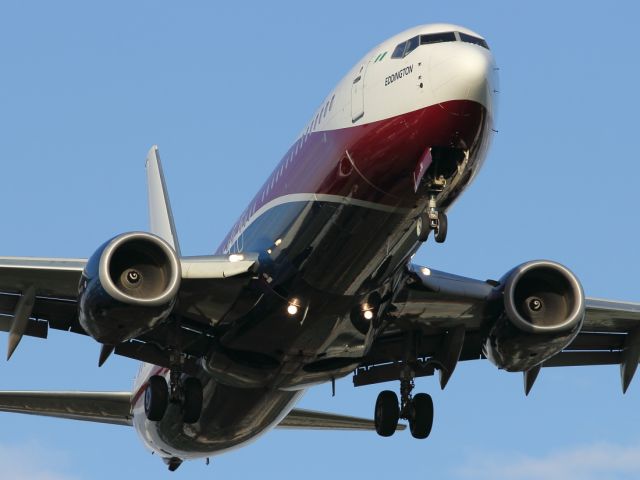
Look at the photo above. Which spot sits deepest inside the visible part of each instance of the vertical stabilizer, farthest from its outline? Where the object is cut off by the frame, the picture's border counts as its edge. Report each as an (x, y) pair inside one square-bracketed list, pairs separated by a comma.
[(160, 215)]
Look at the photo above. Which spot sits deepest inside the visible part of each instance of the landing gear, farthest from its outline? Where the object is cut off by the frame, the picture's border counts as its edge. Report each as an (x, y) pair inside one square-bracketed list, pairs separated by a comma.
[(441, 227), (434, 220), (187, 394), (421, 419), (387, 413), (156, 398), (192, 400), (418, 410), (422, 228)]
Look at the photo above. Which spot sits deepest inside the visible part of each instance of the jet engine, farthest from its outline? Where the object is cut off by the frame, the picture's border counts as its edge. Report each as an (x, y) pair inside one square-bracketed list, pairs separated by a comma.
[(542, 312), (128, 287)]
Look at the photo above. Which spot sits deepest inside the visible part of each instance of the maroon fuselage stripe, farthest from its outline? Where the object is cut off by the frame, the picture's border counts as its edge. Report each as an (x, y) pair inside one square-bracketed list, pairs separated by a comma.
[(384, 153)]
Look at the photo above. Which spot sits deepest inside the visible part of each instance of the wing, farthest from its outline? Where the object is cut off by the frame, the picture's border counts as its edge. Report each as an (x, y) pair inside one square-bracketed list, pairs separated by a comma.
[(448, 318), (115, 408), (37, 294), (610, 335)]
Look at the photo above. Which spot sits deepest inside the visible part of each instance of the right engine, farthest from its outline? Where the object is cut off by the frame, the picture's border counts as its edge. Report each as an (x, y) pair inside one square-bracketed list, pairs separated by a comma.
[(128, 287)]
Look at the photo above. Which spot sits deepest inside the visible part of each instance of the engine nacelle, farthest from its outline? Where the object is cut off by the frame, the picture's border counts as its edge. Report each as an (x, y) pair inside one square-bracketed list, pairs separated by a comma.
[(544, 307), (128, 287)]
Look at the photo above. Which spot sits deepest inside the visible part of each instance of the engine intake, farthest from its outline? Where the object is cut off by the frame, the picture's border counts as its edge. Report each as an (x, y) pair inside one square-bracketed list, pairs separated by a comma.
[(128, 287), (543, 297), (544, 307)]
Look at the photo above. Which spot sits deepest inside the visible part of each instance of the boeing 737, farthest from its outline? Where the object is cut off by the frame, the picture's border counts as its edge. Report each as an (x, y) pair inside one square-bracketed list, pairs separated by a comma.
[(315, 281)]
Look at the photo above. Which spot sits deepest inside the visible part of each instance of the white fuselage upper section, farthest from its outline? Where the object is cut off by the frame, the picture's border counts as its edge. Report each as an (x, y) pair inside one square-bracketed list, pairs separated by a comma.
[(430, 74)]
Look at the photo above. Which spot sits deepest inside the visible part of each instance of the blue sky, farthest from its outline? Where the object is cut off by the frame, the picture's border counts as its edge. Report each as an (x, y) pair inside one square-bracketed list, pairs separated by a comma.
[(87, 88)]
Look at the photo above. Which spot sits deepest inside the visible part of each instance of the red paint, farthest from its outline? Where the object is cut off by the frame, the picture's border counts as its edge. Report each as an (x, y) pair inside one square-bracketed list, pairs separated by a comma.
[(383, 155), (421, 167)]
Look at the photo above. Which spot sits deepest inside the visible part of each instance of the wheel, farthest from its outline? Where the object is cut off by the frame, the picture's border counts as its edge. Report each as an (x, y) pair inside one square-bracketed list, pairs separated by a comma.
[(387, 413), (192, 406), (421, 419), (422, 228), (441, 230), (156, 398)]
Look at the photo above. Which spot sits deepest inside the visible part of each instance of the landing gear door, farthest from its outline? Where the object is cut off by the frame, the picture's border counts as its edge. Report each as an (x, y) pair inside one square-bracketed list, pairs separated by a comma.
[(357, 95)]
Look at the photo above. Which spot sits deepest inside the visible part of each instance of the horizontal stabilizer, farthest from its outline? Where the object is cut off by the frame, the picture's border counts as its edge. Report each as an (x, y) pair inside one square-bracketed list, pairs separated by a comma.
[(115, 408), (102, 407), (312, 420)]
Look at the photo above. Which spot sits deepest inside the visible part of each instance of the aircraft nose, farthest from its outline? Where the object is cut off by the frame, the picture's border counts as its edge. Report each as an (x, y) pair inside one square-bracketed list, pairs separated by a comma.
[(462, 71)]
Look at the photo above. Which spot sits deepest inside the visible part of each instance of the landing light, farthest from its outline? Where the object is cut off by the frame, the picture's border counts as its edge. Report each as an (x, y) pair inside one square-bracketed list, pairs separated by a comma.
[(236, 257), (278, 242), (292, 309), (367, 314), (425, 271)]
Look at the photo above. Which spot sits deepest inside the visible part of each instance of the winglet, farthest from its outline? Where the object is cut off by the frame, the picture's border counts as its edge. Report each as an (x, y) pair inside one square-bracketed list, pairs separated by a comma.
[(160, 215), (630, 357)]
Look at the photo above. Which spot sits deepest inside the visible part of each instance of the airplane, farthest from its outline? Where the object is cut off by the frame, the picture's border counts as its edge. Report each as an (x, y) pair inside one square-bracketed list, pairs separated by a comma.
[(315, 281)]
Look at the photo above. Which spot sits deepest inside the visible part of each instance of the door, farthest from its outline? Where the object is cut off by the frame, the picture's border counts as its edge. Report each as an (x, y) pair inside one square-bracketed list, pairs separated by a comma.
[(357, 95)]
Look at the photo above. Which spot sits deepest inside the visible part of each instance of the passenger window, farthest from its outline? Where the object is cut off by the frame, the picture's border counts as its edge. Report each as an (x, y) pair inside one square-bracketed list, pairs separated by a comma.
[(471, 39), (412, 44), (399, 51), (437, 38)]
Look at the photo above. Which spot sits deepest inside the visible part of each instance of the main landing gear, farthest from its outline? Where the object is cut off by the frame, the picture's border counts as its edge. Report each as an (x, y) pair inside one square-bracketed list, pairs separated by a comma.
[(187, 393), (434, 220), (417, 409)]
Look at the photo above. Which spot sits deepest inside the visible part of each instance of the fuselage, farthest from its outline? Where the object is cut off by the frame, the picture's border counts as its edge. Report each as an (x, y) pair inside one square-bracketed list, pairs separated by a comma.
[(334, 224)]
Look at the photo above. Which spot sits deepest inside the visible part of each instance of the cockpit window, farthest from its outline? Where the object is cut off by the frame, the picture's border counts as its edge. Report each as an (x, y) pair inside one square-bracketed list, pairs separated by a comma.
[(471, 39), (437, 38), (412, 44), (405, 48), (399, 51)]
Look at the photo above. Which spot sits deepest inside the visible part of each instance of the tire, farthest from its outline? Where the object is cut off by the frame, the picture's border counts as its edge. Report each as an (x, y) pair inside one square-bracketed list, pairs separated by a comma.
[(421, 421), (422, 228), (156, 398), (192, 407), (441, 231), (387, 413)]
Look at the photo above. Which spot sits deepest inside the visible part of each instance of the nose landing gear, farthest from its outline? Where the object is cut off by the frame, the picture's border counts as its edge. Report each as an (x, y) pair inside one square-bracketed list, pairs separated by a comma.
[(418, 410), (432, 219)]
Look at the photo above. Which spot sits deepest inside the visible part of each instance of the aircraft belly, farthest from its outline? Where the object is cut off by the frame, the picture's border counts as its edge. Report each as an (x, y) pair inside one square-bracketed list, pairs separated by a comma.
[(231, 417)]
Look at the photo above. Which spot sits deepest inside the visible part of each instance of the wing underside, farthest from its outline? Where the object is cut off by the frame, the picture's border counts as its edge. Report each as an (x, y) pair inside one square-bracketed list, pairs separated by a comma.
[(448, 313)]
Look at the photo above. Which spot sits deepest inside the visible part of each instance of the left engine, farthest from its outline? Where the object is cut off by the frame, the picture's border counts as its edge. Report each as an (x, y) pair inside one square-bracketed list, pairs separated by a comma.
[(542, 312), (128, 287)]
